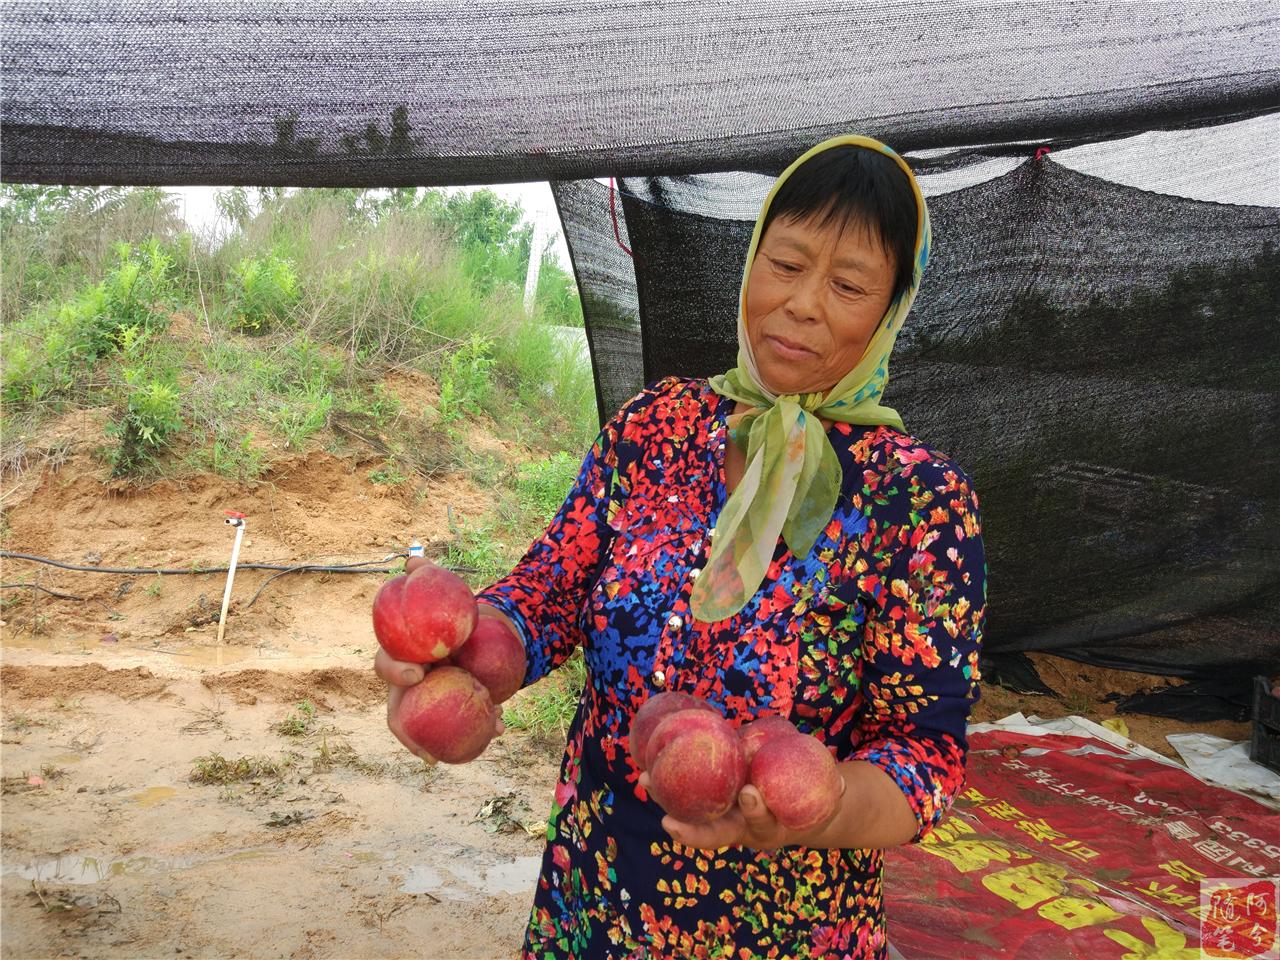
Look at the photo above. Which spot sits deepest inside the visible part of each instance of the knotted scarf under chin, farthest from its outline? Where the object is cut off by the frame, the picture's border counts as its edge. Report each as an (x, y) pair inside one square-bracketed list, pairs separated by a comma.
[(789, 488)]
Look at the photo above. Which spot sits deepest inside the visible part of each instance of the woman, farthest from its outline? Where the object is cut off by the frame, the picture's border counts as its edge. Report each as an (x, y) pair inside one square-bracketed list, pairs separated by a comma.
[(773, 541)]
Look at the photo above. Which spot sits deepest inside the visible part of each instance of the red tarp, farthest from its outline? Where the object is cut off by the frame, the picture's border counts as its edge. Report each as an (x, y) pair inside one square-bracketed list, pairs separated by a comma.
[(1069, 847)]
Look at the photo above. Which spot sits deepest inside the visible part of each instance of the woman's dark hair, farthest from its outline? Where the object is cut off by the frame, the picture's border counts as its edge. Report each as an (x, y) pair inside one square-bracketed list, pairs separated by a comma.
[(855, 185)]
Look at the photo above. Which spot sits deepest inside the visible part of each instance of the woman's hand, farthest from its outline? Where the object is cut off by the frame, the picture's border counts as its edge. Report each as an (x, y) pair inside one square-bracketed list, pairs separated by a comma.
[(751, 823), (400, 676)]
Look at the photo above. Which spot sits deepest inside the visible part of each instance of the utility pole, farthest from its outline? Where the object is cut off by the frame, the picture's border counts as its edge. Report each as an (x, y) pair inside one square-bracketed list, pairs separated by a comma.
[(535, 265)]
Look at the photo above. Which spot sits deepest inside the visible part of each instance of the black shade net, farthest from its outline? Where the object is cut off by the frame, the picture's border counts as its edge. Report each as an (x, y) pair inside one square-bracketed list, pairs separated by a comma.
[(1096, 338), (1103, 360), (457, 92)]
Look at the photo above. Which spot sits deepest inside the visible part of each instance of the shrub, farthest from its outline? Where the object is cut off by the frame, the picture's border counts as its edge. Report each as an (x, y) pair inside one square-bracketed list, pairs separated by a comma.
[(150, 407), (465, 384), (52, 351), (260, 293)]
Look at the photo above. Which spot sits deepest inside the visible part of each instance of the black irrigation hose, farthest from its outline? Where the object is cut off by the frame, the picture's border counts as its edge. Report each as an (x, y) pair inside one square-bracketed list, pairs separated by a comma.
[(362, 566), (319, 568), (303, 567), (36, 586), (54, 593)]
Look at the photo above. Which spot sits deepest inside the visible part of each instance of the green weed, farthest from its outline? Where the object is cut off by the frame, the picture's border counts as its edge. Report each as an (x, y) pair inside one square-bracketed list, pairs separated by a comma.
[(216, 768), (388, 474), (52, 351), (301, 417), (475, 552), (235, 457), (342, 754), (299, 722), (543, 484), (465, 385), (152, 416), (260, 293), (546, 709)]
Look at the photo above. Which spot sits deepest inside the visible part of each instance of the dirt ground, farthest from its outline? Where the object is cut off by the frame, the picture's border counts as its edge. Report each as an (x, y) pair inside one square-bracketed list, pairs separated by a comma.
[(164, 796)]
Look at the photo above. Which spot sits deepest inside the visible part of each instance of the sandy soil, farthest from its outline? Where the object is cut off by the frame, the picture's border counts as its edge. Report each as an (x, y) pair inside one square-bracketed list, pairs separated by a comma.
[(349, 847), (352, 848), (338, 844), (313, 508)]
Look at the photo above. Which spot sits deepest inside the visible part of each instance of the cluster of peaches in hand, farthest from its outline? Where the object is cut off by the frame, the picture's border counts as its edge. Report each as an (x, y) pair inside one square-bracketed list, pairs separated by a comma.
[(428, 615), (698, 763)]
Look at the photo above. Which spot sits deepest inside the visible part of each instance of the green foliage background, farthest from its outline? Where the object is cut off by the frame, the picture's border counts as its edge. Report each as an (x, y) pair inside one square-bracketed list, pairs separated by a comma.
[(293, 318)]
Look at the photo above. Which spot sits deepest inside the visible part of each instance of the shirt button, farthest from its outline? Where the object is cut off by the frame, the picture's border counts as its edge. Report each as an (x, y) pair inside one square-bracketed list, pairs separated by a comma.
[(658, 679), (675, 620), (693, 574)]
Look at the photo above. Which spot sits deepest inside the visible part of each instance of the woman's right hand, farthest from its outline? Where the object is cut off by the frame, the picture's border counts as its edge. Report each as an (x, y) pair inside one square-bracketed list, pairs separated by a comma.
[(400, 676)]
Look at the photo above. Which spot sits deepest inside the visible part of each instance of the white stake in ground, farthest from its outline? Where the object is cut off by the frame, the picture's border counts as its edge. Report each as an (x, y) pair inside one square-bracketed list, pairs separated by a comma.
[(235, 520)]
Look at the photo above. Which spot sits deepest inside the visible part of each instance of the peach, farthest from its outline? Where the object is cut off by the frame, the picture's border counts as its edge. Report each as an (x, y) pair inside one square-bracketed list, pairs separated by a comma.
[(675, 724), (697, 773), (755, 733), (449, 714), (424, 616), (652, 712), (494, 656), (798, 779)]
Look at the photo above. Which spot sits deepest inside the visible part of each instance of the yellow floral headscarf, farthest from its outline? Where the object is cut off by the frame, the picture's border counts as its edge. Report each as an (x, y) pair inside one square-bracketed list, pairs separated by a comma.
[(792, 477)]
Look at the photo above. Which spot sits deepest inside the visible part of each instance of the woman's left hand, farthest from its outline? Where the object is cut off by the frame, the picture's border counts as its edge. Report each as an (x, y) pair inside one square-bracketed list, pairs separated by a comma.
[(751, 823)]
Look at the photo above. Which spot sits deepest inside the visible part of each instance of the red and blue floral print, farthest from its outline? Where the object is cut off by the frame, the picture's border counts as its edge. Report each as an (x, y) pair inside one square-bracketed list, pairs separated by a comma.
[(870, 643)]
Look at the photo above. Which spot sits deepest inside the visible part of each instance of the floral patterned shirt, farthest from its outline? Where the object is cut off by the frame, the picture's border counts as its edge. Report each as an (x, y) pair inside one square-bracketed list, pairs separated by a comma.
[(869, 643)]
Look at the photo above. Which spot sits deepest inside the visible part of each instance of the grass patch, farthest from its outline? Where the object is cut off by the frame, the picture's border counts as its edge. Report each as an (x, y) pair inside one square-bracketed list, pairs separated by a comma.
[(21, 723), (475, 552), (542, 485), (340, 753), (545, 710), (1077, 703), (388, 475), (298, 723), (217, 769)]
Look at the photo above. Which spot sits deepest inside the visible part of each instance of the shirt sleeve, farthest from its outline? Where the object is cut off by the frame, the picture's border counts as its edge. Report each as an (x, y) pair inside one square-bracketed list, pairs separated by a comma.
[(921, 644), (544, 594)]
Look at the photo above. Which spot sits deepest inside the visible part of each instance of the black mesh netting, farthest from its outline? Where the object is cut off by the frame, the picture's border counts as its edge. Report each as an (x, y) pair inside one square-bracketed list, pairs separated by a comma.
[(1095, 340), (454, 91), (1103, 360)]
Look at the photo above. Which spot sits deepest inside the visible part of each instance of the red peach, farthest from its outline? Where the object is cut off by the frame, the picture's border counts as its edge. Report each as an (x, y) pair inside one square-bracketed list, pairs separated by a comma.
[(676, 723), (755, 733), (798, 779), (494, 656), (652, 712), (696, 776), (424, 616), (449, 714)]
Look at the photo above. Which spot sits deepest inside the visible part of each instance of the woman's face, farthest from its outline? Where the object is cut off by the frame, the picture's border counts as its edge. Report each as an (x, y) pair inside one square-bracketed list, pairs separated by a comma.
[(814, 299)]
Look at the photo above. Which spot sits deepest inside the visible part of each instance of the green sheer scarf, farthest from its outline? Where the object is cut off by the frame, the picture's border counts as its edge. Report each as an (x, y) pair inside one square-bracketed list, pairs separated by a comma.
[(792, 477)]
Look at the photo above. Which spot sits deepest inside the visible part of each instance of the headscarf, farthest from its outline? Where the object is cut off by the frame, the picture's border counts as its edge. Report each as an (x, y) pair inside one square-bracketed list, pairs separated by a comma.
[(793, 476)]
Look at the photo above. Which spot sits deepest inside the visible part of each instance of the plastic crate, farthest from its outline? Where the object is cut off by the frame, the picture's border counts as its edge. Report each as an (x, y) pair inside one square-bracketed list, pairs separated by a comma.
[(1264, 749)]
